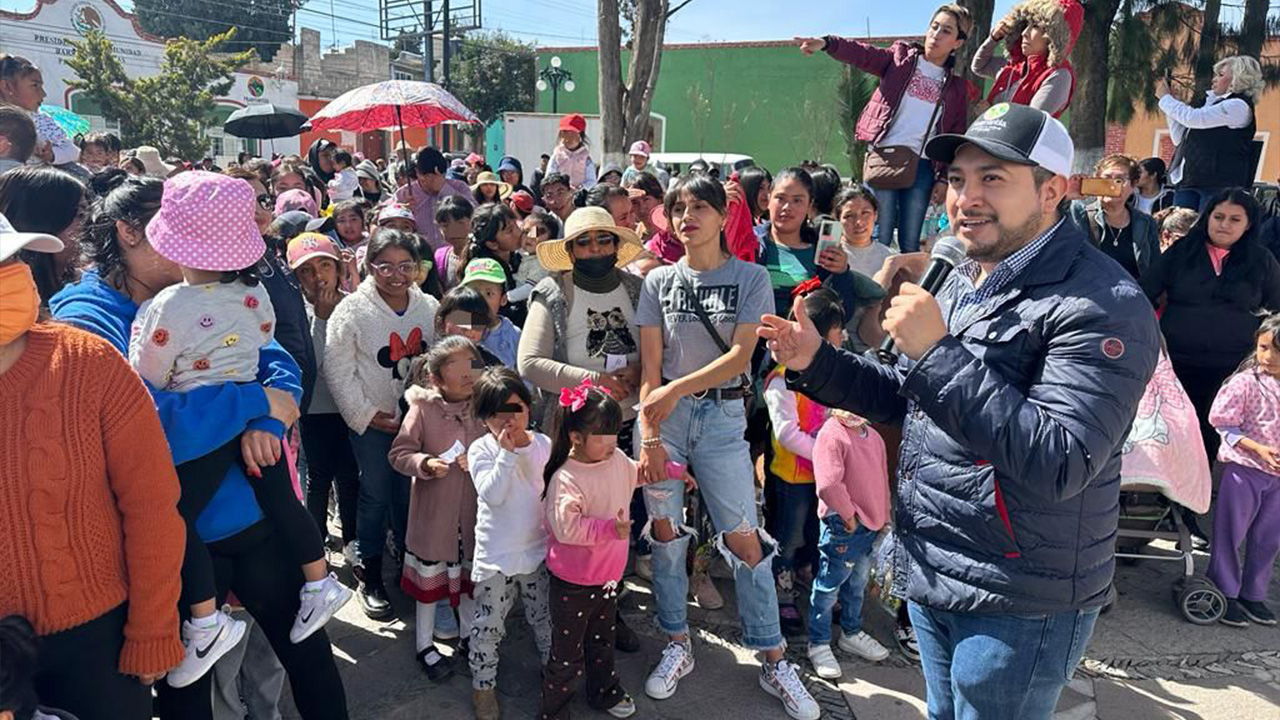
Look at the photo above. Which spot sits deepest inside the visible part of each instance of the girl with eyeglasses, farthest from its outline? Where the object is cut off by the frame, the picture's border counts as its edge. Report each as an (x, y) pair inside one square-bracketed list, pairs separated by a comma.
[(373, 336)]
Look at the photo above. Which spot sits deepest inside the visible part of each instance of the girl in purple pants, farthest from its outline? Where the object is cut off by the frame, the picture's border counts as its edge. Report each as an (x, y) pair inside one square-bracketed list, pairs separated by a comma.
[(1246, 413)]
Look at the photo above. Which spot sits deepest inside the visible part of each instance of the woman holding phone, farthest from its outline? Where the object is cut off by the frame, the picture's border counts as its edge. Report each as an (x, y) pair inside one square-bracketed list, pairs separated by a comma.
[(1126, 234)]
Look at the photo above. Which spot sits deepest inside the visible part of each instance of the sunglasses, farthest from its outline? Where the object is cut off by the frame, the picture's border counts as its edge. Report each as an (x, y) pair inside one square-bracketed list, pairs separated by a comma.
[(267, 201), (388, 269), (602, 239)]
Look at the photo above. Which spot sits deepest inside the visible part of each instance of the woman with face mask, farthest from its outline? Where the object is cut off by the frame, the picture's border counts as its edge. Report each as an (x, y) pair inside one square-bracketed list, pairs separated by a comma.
[(93, 538)]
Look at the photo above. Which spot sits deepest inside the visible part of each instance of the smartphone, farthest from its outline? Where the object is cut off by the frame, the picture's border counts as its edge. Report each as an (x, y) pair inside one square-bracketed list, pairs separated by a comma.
[(675, 470), (830, 233), (1100, 187)]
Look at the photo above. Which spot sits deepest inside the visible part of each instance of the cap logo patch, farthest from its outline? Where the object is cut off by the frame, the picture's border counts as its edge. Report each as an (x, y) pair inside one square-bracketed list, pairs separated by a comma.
[(995, 111), (1113, 348)]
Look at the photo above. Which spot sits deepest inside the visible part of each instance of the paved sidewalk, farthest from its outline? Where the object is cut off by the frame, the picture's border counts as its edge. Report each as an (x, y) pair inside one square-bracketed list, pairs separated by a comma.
[(1145, 662)]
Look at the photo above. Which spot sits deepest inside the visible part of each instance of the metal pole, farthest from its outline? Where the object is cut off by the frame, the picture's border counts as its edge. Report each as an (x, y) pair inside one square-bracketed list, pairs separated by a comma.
[(446, 134), (428, 52), (555, 96)]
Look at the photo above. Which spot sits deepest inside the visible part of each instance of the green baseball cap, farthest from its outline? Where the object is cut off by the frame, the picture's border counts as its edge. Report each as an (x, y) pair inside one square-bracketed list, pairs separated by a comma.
[(484, 270)]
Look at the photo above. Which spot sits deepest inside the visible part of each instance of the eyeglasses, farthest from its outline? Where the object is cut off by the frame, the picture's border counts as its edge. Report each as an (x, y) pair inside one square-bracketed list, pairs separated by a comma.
[(387, 269), (267, 201), (603, 240)]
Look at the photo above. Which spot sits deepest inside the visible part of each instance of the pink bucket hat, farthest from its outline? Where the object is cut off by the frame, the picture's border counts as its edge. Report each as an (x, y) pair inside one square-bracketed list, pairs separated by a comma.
[(639, 147), (296, 200), (206, 222)]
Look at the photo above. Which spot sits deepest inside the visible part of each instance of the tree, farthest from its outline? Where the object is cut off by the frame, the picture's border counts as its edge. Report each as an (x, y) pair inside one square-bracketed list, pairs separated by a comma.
[(856, 88), (1253, 30), (263, 25), (1088, 123), (169, 109), (624, 108), (494, 73), (1210, 34)]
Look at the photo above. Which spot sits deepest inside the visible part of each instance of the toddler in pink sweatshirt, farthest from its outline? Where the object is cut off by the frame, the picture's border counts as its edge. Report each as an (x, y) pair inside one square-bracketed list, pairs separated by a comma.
[(852, 479)]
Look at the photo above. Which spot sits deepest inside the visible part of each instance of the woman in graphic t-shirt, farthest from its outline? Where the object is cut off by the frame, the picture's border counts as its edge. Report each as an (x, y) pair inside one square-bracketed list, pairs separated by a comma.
[(917, 83)]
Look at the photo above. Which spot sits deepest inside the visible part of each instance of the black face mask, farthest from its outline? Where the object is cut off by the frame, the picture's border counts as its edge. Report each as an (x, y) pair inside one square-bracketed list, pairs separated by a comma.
[(595, 267)]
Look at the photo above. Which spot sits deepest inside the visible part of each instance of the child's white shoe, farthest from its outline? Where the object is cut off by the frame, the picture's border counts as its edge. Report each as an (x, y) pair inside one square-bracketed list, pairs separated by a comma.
[(205, 645), (824, 662), (317, 607), (864, 646)]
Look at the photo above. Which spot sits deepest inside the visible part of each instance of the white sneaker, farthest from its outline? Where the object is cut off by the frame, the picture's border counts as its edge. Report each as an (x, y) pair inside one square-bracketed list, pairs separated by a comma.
[(644, 567), (824, 662), (782, 681), (864, 646), (705, 592), (317, 607), (205, 646), (677, 661), (349, 554)]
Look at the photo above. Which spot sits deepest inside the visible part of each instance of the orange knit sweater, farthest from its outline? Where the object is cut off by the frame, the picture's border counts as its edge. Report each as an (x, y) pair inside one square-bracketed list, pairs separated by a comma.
[(88, 497)]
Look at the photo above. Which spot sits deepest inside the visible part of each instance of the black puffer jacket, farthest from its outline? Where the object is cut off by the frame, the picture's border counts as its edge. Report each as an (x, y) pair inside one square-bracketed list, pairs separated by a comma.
[(1210, 319), (1009, 470)]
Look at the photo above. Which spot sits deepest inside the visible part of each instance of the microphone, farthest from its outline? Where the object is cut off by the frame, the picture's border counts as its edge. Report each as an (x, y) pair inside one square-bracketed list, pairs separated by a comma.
[(948, 252)]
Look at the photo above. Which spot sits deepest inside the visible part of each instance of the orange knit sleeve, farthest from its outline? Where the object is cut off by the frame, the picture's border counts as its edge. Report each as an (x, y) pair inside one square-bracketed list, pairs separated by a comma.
[(142, 477)]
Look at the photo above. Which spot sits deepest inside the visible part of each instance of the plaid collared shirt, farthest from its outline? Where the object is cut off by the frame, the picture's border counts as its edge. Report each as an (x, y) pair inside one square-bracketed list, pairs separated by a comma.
[(1005, 272)]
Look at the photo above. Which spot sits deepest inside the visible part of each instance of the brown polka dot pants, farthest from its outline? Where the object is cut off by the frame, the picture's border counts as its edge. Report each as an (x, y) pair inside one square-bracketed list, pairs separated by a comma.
[(582, 628)]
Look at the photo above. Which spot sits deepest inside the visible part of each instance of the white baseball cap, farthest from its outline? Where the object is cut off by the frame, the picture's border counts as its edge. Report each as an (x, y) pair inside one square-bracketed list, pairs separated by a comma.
[(11, 241), (1015, 133)]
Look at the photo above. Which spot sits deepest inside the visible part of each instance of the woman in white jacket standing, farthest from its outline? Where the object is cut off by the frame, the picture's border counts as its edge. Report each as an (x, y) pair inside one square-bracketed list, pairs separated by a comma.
[(372, 337)]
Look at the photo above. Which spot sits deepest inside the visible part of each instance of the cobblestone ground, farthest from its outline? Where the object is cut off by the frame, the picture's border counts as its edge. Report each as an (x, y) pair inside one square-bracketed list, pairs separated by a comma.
[(1145, 661)]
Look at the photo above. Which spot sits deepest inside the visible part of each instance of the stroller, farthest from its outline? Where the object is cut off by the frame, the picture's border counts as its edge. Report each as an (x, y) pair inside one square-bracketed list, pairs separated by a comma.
[(1164, 469)]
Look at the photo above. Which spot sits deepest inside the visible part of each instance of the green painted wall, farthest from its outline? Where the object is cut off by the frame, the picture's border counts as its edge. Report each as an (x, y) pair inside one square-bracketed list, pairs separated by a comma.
[(772, 103)]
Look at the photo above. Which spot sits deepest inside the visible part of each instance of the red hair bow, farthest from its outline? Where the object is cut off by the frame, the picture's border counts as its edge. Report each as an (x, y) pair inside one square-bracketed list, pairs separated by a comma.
[(806, 287), (575, 397)]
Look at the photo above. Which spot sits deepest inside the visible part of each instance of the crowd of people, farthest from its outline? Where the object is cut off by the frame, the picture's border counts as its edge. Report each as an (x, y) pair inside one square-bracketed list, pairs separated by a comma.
[(481, 388)]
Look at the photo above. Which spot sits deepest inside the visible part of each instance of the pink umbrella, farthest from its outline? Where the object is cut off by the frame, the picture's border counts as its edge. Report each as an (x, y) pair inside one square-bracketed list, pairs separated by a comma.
[(390, 104)]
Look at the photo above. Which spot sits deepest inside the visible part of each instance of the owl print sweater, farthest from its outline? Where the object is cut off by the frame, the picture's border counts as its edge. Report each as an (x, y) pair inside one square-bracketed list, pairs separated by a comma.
[(368, 348)]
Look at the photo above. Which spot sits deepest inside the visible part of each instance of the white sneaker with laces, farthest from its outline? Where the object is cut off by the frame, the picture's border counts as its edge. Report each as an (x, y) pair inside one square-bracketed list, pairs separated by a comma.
[(824, 662), (677, 661), (205, 646), (625, 708), (782, 680), (317, 607), (864, 646)]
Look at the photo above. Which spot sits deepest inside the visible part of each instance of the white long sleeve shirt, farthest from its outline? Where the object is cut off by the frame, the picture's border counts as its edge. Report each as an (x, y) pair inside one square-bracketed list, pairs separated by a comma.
[(511, 537), (1228, 111), (785, 417)]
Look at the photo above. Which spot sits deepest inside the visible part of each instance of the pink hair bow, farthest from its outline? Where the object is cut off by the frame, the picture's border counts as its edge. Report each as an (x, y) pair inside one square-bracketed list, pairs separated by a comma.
[(575, 397)]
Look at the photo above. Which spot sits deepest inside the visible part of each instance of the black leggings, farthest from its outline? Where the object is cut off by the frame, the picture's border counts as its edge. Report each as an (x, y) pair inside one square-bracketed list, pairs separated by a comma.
[(1202, 385), (257, 566), (200, 479), (330, 460), (79, 672)]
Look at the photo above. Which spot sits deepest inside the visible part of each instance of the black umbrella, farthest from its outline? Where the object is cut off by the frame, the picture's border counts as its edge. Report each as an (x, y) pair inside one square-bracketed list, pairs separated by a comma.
[(265, 121)]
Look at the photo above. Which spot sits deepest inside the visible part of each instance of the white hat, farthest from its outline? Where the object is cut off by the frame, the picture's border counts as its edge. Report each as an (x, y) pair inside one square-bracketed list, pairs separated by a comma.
[(1015, 133), (11, 241), (152, 163)]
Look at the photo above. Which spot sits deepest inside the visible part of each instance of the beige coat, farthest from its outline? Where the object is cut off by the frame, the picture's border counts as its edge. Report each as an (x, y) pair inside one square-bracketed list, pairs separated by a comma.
[(440, 509)]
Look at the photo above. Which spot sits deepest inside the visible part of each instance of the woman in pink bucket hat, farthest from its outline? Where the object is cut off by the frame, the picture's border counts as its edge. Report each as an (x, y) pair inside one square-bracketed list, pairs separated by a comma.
[(208, 330)]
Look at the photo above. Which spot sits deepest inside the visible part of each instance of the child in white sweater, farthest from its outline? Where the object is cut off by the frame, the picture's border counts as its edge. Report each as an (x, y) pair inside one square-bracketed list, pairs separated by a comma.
[(511, 537), (344, 184)]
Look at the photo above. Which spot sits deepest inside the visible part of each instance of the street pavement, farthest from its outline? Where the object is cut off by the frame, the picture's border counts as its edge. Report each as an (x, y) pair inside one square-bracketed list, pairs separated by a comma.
[(1144, 662)]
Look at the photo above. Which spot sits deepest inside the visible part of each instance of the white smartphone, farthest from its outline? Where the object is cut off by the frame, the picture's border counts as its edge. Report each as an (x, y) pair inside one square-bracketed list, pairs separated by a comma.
[(830, 234)]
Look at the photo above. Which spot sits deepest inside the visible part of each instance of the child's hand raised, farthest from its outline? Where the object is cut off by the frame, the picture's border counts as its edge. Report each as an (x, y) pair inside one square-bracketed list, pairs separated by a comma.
[(622, 526)]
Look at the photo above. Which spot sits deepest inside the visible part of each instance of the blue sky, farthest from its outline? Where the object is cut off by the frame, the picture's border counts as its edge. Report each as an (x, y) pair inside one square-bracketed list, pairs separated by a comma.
[(573, 22)]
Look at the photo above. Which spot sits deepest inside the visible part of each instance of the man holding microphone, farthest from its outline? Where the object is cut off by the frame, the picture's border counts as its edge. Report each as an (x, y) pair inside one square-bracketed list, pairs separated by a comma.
[(1016, 389)]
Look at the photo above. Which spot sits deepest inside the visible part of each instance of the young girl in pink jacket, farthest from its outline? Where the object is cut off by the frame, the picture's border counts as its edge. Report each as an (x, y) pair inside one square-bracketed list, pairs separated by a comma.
[(588, 501), (431, 448)]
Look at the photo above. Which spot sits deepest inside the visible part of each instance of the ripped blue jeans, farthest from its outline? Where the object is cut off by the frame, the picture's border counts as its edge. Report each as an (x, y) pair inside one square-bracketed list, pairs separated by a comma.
[(844, 565), (707, 435)]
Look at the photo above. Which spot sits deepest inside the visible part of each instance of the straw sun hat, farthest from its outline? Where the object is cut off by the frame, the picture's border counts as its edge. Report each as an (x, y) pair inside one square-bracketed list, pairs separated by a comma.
[(555, 255)]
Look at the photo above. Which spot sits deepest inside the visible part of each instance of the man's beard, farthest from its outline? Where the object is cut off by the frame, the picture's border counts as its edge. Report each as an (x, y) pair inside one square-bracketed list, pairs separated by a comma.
[(1010, 240)]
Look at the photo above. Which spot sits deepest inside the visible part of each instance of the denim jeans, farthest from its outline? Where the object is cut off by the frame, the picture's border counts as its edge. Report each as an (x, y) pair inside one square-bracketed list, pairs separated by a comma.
[(998, 666), (795, 519), (708, 436), (844, 564), (1194, 198), (384, 494), (904, 210)]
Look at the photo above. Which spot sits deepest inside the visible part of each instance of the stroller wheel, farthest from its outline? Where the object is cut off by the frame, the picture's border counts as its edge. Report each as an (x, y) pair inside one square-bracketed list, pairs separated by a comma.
[(1200, 601)]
